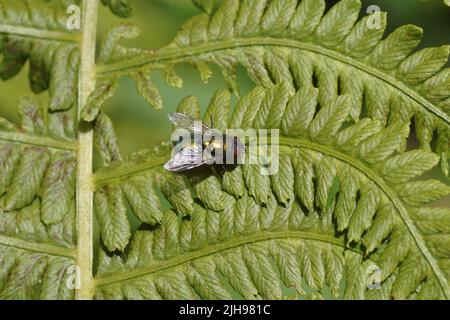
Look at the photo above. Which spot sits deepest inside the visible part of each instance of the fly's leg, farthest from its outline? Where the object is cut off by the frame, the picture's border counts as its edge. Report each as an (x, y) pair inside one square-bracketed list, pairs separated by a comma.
[(214, 170), (219, 171)]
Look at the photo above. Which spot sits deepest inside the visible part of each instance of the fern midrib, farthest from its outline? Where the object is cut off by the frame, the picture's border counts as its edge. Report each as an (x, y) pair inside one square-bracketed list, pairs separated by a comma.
[(44, 248), (84, 188), (37, 33), (38, 141), (175, 55), (217, 248), (109, 175)]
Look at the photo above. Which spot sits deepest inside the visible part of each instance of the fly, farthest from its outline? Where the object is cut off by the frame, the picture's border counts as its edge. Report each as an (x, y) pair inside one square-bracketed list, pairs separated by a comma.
[(205, 145)]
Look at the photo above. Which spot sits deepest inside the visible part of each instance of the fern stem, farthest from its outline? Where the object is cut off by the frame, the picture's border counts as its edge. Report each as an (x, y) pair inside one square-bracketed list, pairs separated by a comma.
[(38, 33), (176, 55), (23, 138), (390, 193), (85, 154), (223, 246), (111, 174), (36, 247)]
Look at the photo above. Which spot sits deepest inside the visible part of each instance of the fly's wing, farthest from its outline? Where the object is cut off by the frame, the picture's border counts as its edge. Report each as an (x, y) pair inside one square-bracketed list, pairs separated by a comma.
[(183, 121), (188, 158)]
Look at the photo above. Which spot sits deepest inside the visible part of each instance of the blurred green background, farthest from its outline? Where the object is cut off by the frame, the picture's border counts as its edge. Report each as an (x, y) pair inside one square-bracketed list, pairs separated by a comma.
[(139, 126)]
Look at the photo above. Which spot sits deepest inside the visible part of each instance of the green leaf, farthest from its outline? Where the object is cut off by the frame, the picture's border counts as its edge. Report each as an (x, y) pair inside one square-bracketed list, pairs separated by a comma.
[(172, 78), (390, 52), (381, 228), (423, 64), (412, 164), (27, 179), (120, 8), (206, 5), (63, 88), (304, 174), (143, 200), (221, 23), (345, 205), (384, 143), (258, 184), (362, 217), (302, 106), (105, 140), (147, 89), (209, 191), (329, 119), (48, 45), (58, 185), (217, 113), (245, 111), (334, 189), (109, 49), (37, 206), (272, 107), (283, 182), (306, 18), (363, 37), (103, 91), (112, 216), (277, 16), (338, 22), (418, 193), (233, 182), (176, 191)]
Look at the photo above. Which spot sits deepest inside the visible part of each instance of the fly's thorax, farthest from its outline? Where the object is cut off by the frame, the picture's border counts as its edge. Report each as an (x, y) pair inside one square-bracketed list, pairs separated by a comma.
[(217, 147), (225, 149), (214, 148)]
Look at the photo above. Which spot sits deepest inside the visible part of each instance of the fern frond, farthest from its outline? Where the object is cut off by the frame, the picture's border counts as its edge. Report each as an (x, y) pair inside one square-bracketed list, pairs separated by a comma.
[(37, 204), (37, 19), (205, 5), (296, 41), (120, 8), (243, 222), (36, 31)]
